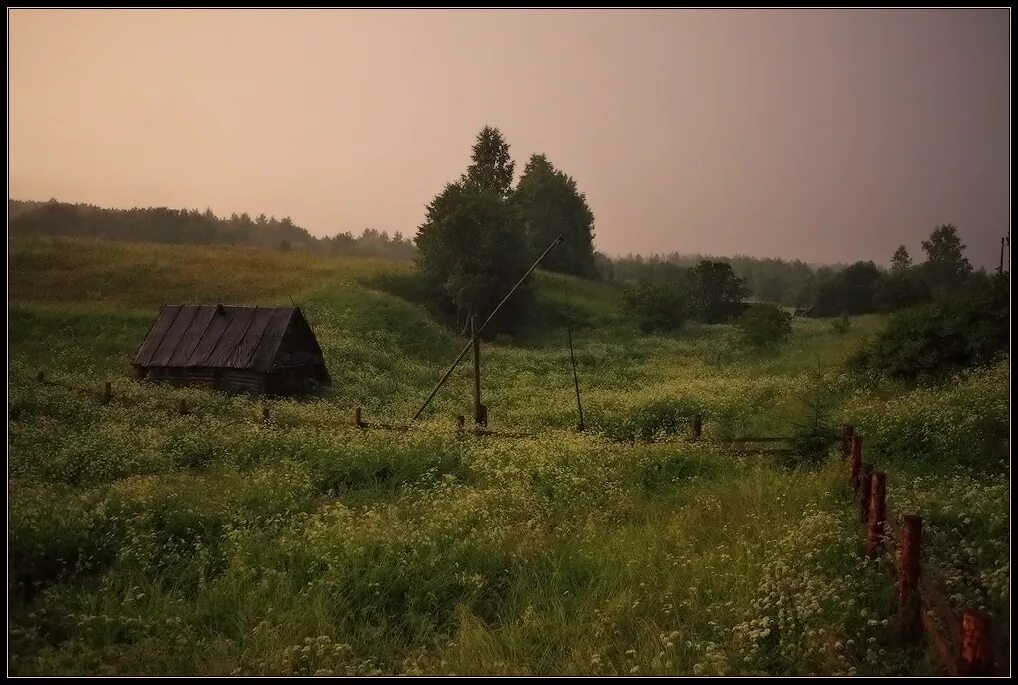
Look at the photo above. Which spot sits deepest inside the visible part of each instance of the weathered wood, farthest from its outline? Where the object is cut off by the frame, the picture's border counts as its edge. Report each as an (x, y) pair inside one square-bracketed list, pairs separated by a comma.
[(729, 441), (935, 599), (910, 544), (760, 450), (258, 350), (847, 432), (265, 413), (866, 473), (107, 392), (875, 525), (460, 422), (855, 462), (976, 655), (944, 654), (357, 418), (697, 427), (459, 357), (41, 376), (182, 407)]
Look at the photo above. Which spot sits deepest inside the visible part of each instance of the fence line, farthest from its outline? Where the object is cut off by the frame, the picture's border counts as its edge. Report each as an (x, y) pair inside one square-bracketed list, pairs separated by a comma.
[(105, 395), (962, 646)]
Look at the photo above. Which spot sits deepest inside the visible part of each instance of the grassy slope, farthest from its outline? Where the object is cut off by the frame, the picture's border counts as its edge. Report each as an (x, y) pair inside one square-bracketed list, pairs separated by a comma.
[(210, 544)]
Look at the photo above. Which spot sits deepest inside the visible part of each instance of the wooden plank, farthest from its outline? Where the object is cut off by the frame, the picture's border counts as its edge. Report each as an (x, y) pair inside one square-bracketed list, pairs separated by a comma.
[(944, 653), (944, 612), (238, 320), (192, 336), (210, 337), (760, 450), (173, 337), (726, 441), (247, 347), (272, 339), (155, 336)]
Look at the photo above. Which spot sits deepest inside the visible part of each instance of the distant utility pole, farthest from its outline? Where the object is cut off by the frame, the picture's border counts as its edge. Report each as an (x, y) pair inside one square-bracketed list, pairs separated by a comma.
[(1000, 269)]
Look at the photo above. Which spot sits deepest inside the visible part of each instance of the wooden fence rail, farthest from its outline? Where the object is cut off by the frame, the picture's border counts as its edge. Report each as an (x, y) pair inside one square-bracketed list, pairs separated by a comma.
[(963, 646)]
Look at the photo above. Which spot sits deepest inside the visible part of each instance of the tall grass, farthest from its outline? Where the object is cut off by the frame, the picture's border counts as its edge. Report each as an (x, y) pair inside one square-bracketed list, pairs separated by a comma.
[(145, 542)]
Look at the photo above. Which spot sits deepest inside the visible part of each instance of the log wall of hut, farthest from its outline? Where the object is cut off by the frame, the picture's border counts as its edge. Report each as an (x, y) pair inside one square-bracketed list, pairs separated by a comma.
[(230, 380)]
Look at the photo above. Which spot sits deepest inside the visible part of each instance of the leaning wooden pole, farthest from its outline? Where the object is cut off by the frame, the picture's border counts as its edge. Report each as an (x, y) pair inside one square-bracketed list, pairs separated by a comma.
[(494, 311)]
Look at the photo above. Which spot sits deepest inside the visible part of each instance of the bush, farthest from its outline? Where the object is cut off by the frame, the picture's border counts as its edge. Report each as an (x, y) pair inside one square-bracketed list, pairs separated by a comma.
[(936, 340), (657, 306), (841, 324), (764, 325)]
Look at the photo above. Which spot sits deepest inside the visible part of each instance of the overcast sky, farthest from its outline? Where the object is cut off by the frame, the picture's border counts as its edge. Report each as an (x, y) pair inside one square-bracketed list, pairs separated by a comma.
[(825, 135)]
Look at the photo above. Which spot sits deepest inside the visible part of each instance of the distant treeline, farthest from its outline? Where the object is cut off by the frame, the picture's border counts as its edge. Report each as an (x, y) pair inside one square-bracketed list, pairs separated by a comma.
[(790, 283), (164, 225)]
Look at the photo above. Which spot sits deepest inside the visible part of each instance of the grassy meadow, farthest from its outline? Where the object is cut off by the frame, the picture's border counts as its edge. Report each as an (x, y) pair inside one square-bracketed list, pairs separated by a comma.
[(145, 542)]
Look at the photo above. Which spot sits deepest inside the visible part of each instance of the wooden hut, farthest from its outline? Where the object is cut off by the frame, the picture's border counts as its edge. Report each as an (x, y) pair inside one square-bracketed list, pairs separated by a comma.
[(259, 350)]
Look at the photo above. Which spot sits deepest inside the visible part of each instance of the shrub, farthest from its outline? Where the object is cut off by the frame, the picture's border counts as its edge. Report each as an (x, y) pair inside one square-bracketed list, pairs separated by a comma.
[(841, 324), (657, 306), (764, 325), (936, 340)]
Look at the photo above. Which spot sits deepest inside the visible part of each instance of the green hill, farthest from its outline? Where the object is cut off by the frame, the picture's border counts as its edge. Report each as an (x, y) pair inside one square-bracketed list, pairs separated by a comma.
[(143, 541)]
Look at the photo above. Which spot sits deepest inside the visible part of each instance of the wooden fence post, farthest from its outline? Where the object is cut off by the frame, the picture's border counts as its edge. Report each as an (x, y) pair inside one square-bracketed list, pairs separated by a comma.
[(855, 463), (847, 432), (182, 407), (265, 413), (357, 418), (910, 545), (866, 473), (697, 427), (107, 392), (460, 422), (41, 376), (878, 510), (976, 657)]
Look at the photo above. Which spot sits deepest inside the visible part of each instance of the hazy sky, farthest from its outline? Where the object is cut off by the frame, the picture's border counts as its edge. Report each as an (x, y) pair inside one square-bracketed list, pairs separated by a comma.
[(827, 135)]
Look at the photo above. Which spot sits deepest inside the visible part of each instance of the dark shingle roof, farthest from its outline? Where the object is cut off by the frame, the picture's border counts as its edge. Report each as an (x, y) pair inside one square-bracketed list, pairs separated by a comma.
[(216, 336)]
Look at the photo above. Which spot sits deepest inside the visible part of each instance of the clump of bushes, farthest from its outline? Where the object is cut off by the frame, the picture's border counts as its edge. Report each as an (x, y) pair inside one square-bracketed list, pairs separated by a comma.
[(937, 340), (657, 306), (765, 324), (710, 292), (841, 324)]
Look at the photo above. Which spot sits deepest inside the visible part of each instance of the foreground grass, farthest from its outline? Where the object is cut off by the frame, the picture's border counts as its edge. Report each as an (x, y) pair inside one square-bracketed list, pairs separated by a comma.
[(143, 542)]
